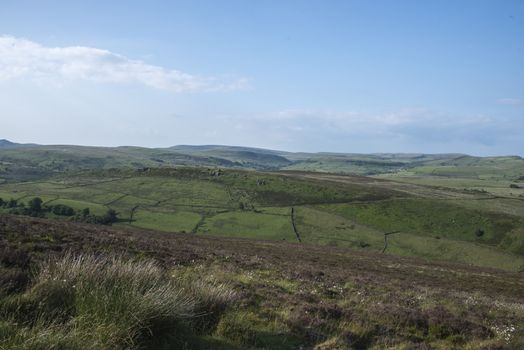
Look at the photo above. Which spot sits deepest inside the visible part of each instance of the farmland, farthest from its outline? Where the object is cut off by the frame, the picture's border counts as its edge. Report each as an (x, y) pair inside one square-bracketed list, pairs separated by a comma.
[(433, 221)]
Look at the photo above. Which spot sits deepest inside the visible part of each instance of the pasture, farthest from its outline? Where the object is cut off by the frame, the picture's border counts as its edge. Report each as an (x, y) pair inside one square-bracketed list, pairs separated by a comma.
[(433, 222)]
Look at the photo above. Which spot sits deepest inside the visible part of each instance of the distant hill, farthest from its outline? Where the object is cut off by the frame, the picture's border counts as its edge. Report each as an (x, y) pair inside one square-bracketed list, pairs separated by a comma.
[(35, 159), (245, 156), (8, 144)]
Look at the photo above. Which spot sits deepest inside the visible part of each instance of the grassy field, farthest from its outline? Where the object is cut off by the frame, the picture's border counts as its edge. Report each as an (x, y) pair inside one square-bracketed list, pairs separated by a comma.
[(261, 225), (178, 221), (434, 221), (427, 253)]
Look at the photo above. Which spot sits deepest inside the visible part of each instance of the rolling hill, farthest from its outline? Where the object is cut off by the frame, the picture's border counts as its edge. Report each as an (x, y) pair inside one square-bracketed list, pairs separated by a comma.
[(317, 251), (65, 157)]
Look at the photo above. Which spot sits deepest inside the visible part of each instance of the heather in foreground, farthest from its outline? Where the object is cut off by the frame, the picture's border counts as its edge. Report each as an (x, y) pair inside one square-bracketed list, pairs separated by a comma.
[(174, 291)]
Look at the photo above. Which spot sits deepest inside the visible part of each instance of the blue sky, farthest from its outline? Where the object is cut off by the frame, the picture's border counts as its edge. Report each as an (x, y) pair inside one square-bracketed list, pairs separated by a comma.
[(347, 76)]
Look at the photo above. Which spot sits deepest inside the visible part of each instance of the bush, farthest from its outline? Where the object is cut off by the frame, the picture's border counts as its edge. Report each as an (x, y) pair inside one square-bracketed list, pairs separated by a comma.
[(109, 217), (62, 210), (35, 204)]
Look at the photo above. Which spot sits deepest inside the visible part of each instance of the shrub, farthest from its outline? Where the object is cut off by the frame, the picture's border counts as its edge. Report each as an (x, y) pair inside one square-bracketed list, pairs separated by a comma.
[(35, 204), (479, 232), (109, 217), (63, 210)]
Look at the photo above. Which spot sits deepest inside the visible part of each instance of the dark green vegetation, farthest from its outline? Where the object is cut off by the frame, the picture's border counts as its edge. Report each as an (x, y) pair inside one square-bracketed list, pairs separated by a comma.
[(188, 291), (36, 208)]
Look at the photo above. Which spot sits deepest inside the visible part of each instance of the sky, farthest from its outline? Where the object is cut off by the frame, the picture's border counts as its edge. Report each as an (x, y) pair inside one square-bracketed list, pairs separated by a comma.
[(343, 76)]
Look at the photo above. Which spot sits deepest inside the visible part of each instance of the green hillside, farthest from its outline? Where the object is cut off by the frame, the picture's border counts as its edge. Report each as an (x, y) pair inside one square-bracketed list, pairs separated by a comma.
[(350, 212), (33, 159)]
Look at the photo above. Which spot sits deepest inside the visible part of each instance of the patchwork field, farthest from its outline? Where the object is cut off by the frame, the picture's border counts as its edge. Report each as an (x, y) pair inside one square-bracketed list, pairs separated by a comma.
[(430, 220)]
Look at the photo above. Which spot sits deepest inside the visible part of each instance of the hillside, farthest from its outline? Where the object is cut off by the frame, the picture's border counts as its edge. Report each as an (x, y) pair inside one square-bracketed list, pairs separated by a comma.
[(245, 249), (288, 295), (314, 208), (5, 144), (40, 158), (444, 207)]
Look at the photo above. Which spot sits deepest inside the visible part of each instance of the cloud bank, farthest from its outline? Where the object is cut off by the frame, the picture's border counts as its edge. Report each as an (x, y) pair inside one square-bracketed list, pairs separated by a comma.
[(394, 131), (22, 58)]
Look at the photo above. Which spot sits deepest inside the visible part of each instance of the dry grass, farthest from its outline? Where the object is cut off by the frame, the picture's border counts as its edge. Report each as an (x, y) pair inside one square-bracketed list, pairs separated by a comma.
[(108, 302)]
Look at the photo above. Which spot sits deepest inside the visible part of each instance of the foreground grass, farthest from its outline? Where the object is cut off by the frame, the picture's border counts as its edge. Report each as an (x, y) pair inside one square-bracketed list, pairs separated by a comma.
[(90, 302), (287, 296)]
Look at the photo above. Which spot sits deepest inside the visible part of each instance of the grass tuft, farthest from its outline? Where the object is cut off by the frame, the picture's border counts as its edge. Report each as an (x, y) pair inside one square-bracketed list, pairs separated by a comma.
[(109, 303)]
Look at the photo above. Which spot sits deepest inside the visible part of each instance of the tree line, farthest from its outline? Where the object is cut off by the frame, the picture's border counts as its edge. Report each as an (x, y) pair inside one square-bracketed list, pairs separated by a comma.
[(35, 207)]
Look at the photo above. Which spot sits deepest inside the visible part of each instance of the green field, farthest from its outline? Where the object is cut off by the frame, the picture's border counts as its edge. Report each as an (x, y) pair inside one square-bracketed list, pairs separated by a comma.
[(435, 220), (444, 206), (250, 225), (178, 221)]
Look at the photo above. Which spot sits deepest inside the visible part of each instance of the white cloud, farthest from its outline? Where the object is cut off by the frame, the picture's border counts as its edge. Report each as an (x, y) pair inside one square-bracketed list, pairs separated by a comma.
[(417, 125), (509, 101), (24, 58)]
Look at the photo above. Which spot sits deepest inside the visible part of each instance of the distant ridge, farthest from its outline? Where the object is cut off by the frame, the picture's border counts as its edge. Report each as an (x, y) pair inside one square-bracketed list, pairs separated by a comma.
[(52, 158), (209, 148), (8, 144)]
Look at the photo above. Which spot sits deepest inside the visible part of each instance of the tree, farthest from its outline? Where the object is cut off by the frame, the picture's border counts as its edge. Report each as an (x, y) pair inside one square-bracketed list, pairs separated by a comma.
[(86, 212), (109, 217), (35, 205), (64, 210)]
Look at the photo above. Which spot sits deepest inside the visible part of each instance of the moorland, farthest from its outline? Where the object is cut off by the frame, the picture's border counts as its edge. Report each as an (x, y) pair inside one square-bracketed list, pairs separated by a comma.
[(299, 250)]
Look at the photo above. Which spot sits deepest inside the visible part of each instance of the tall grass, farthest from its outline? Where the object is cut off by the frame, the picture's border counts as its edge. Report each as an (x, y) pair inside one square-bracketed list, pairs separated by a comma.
[(100, 302)]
